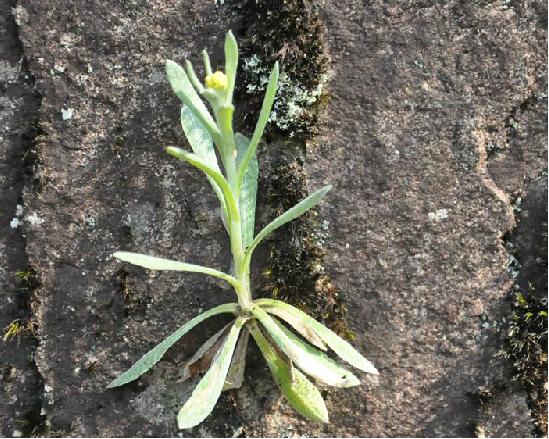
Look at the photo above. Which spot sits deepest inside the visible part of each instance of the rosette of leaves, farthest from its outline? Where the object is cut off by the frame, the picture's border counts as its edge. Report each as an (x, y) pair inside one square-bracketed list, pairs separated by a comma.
[(292, 359)]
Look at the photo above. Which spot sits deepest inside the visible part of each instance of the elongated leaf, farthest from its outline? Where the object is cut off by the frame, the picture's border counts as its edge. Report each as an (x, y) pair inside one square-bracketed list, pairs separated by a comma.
[(199, 163), (248, 191), (235, 377), (206, 393), (291, 214), (302, 395), (154, 263), (261, 122), (184, 90), (310, 360), (155, 354), (202, 145), (300, 326), (231, 63), (202, 358), (342, 348)]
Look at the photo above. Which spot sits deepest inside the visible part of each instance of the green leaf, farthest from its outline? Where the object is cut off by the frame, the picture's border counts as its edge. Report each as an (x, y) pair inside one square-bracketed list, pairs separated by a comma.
[(206, 393), (235, 377), (248, 191), (300, 326), (260, 126), (199, 163), (203, 357), (307, 358), (302, 395), (202, 145), (231, 63), (154, 263), (155, 354), (342, 348), (291, 214), (184, 90)]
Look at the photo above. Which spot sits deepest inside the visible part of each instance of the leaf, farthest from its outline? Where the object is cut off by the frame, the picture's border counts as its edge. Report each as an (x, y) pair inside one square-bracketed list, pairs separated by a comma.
[(231, 63), (184, 90), (307, 358), (291, 214), (342, 348), (300, 326), (155, 354), (261, 122), (235, 377), (154, 263), (248, 191), (206, 393), (302, 395), (199, 163), (202, 358), (202, 145)]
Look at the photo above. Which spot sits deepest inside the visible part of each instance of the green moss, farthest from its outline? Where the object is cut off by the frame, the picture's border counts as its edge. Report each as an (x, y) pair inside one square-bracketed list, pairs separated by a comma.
[(295, 271), (290, 32)]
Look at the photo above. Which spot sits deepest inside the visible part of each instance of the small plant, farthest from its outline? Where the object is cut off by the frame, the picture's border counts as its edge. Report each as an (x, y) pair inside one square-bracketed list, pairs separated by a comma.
[(288, 356)]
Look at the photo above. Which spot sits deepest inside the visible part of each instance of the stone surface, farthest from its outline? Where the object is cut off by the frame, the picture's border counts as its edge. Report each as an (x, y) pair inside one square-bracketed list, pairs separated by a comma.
[(436, 120), (19, 380)]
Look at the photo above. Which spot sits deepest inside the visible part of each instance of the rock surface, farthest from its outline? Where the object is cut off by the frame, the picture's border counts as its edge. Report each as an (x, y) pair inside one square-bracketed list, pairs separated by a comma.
[(436, 120)]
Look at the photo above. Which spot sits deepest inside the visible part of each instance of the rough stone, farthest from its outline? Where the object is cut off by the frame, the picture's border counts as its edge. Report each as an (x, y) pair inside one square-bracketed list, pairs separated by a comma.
[(434, 124)]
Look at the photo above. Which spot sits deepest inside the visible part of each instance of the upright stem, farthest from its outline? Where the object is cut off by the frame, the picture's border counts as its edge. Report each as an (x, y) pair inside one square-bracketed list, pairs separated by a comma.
[(227, 148)]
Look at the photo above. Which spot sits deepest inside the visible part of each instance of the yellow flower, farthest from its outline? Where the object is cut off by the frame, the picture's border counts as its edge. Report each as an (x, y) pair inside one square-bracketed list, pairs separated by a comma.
[(217, 81)]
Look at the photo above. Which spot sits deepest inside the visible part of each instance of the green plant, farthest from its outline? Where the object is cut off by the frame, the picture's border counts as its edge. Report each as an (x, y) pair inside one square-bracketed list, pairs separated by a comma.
[(223, 355)]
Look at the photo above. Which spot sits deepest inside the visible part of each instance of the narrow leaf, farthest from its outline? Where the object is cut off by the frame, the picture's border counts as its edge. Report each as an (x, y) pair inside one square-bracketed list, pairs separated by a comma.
[(302, 395), (155, 354), (291, 214), (154, 263), (235, 377), (199, 163), (202, 145), (202, 358), (260, 126), (206, 393), (231, 63), (307, 358), (299, 325), (342, 348), (248, 191), (184, 90)]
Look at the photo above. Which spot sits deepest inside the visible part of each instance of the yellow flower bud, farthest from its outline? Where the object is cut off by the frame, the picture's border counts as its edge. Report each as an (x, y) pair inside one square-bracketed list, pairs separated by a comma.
[(217, 81)]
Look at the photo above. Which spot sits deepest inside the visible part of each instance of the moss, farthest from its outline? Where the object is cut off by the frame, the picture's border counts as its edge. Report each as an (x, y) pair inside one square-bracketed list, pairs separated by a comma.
[(288, 31), (527, 350), (295, 271), (19, 327)]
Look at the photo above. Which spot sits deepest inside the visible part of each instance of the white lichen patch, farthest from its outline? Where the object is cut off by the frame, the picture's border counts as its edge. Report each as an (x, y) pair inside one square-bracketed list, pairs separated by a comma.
[(66, 113), (33, 219), (292, 100), (16, 221), (439, 215)]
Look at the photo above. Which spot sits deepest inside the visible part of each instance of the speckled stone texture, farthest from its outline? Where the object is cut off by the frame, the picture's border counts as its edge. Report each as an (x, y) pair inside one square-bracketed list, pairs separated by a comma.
[(436, 120)]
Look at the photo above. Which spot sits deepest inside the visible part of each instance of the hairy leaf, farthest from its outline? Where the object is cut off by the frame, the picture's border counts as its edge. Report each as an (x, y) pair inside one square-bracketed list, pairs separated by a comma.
[(184, 90), (231, 63), (206, 393), (310, 360), (235, 377), (260, 126), (299, 325), (302, 395), (248, 191), (342, 348), (291, 214), (202, 358), (155, 354), (199, 163), (202, 145), (154, 263)]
